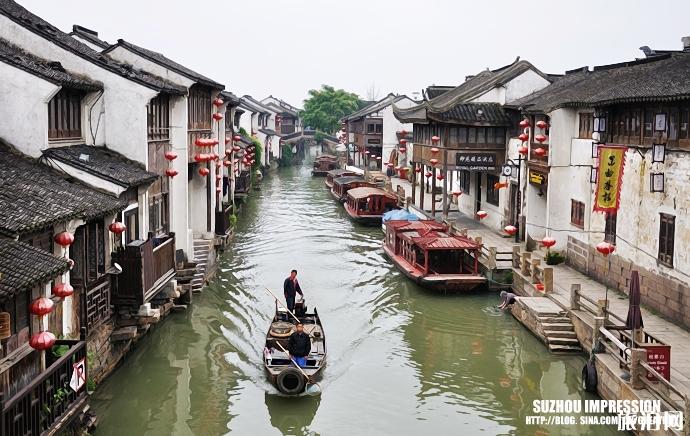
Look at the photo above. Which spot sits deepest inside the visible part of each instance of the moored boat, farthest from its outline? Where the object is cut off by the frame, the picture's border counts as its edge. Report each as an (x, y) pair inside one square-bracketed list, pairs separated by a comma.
[(280, 369), (366, 205), (343, 184), (323, 164), (429, 255), (334, 174)]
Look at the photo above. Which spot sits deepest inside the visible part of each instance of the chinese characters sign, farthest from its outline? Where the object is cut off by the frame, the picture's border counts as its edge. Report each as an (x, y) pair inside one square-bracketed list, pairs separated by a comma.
[(476, 161), (609, 177), (659, 358)]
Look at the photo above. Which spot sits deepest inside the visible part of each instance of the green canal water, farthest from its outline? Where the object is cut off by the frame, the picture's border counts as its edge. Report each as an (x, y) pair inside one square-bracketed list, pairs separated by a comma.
[(402, 361)]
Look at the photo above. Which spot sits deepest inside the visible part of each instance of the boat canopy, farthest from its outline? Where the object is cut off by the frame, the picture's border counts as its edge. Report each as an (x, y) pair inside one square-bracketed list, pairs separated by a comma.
[(408, 225), (399, 215), (364, 192), (435, 240)]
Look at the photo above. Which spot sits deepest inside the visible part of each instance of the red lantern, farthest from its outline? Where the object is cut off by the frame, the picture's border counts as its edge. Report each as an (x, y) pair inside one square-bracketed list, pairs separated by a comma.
[(540, 138), (378, 157), (511, 230), (170, 155), (226, 163), (200, 142), (390, 165), (403, 141), (204, 171), (219, 190), (540, 287), (524, 123), (42, 341), (523, 137), (367, 152), (428, 174), (500, 185), (218, 102), (64, 239), (237, 138), (606, 248), (541, 124), (440, 176), (481, 214), (433, 162), (457, 193), (171, 172), (117, 227), (418, 170), (63, 290), (217, 116), (236, 148), (434, 150), (548, 242), (523, 150), (403, 132), (41, 306), (403, 149), (539, 151), (435, 139)]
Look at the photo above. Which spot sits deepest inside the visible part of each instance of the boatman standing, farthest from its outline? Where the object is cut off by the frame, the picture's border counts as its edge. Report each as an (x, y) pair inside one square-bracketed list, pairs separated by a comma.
[(291, 289)]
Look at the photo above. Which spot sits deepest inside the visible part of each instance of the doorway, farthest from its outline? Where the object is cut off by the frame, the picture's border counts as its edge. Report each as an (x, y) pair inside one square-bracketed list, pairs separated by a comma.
[(478, 192)]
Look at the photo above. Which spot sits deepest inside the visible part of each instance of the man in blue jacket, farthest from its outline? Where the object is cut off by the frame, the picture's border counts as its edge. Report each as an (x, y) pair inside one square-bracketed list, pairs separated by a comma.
[(291, 289)]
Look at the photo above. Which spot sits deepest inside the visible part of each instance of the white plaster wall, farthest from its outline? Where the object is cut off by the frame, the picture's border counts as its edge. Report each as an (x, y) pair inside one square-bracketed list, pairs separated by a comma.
[(24, 109), (494, 95), (124, 55), (522, 85), (179, 213), (124, 123), (391, 126)]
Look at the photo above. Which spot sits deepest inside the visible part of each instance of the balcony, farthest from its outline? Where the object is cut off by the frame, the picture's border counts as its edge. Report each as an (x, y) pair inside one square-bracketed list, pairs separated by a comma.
[(147, 266), (224, 221), (47, 403), (242, 183)]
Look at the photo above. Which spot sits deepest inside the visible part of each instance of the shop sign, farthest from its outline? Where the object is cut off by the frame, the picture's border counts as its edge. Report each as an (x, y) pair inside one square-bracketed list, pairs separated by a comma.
[(476, 161), (537, 178), (609, 178)]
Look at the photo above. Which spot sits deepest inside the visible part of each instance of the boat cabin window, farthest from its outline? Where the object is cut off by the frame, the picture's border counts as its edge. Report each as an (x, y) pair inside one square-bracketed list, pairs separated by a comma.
[(446, 261)]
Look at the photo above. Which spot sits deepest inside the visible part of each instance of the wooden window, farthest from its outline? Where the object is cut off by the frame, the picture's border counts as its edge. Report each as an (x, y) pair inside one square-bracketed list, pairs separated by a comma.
[(648, 123), (131, 220), (499, 135), (577, 213), (490, 135), (610, 228), (371, 128), (158, 214), (586, 125), (158, 118), (64, 115), (472, 135), (673, 123), (462, 135), (481, 135), (199, 108), (464, 180), (491, 192), (683, 125), (379, 128), (667, 230), (18, 308), (95, 251), (453, 135)]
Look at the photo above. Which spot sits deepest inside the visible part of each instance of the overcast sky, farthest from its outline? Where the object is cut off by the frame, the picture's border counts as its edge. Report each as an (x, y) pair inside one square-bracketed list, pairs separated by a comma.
[(286, 47)]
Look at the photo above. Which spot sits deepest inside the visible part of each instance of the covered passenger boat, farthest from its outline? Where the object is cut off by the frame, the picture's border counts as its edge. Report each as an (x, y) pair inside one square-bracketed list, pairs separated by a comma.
[(342, 185), (334, 174), (323, 164), (428, 254), (367, 205), (280, 369)]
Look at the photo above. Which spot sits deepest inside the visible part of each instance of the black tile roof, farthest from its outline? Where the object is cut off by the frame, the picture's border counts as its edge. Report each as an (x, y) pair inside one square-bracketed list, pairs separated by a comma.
[(434, 91), (657, 78), (37, 25), (374, 107), (89, 35), (103, 163), (230, 98), (269, 132), (35, 196), (254, 105), (474, 114), (47, 70), (22, 267), (164, 61), (472, 88)]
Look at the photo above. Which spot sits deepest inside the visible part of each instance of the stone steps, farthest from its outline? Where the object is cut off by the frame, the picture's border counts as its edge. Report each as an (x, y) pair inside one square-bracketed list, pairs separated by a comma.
[(557, 326), (201, 251), (560, 334)]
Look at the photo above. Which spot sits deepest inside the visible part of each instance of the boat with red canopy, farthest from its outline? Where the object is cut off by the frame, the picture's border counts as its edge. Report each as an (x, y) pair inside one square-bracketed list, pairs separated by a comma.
[(428, 254), (367, 205), (343, 184), (334, 174)]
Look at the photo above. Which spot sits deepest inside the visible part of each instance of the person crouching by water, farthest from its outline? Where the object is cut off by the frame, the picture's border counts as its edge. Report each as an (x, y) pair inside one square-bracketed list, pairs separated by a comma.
[(299, 346), (291, 288), (507, 298)]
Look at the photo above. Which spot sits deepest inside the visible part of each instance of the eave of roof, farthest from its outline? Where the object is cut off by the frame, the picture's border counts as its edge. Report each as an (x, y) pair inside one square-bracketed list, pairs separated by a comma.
[(23, 266)]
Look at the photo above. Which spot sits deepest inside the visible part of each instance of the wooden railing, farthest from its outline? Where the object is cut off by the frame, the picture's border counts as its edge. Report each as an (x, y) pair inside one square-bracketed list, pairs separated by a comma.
[(146, 267), (98, 303), (224, 219), (242, 182), (47, 401), (540, 276)]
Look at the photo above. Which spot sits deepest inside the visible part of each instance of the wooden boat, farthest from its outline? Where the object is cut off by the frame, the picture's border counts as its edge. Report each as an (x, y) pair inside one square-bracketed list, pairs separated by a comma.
[(426, 253), (343, 184), (323, 164), (282, 373), (367, 205), (334, 174)]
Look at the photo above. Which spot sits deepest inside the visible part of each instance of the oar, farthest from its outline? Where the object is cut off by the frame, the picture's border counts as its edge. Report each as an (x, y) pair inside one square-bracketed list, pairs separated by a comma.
[(282, 305), (309, 379)]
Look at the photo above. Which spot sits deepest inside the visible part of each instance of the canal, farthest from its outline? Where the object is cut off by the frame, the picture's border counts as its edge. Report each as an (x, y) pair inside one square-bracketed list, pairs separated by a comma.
[(401, 360)]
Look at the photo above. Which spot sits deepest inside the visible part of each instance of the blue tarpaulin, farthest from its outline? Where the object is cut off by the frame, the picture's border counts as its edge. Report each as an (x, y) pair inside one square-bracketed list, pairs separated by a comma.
[(399, 215)]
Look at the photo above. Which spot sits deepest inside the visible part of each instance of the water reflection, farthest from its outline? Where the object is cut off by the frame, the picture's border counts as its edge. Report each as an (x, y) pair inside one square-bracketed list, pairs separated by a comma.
[(401, 360)]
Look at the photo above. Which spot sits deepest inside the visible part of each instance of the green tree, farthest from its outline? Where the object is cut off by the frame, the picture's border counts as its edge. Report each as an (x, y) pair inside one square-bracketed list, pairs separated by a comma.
[(326, 106)]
